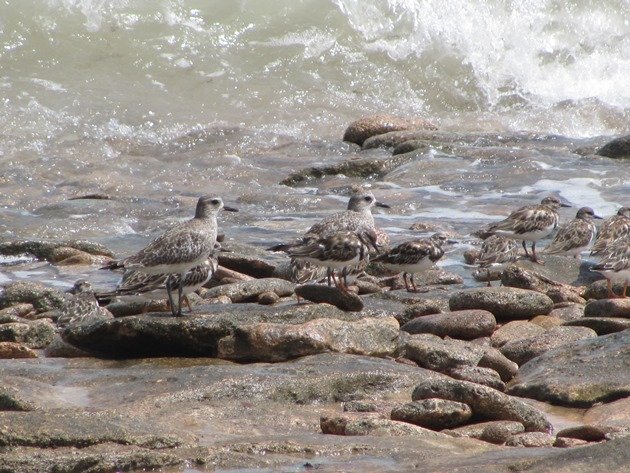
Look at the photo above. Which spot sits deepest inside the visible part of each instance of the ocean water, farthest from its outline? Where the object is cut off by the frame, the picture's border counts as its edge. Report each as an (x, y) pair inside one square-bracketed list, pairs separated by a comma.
[(156, 102)]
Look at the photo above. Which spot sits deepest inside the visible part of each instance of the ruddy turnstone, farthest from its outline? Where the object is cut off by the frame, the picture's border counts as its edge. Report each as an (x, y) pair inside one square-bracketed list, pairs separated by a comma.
[(153, 286), (615, 266), (357, 218), (496, 250), (179, 249), (575, 236), (80, 305), (413, 257), (338, 251), (610, 230), (530, 223)]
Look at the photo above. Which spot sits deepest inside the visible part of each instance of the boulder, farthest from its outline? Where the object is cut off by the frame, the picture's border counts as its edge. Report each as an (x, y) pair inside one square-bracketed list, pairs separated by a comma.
[(344, 300), (420, 308), (578, 374), (517, 276), (568, 311), (486, 403), (431, 352), (521, 351), (601, 325), (496, 431), (15, 350), (435, 414), (513, 331), (464, 324), (348, 424), (36, 334), (246, 291), (477, 374), (371, 125), (505, 303), (618, 148), (608, 308), (43, 298), (494, 359), (531, 439)]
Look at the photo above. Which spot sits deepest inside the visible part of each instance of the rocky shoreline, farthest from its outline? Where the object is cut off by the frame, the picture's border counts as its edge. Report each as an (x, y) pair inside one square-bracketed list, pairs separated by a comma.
[(376, 379)]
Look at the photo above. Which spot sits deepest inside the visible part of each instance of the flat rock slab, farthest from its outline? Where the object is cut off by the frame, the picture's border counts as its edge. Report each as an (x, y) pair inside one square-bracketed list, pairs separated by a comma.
[(521, 351), (318, 293), (495, 431), (505, 303), (578, 374), (279, 342), (352, 424), (463, 324), (486, 403), (601, 325), (435, 414), (480, 375), (246, 291), (515, 330)]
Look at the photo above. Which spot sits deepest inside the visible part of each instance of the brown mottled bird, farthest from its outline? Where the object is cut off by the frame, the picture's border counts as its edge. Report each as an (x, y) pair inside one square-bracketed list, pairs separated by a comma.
[(611, 229), (575, 236)]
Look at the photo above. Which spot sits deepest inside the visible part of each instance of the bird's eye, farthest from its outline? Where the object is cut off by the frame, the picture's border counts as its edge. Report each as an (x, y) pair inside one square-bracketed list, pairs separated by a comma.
[(214, 201), (367, 198)]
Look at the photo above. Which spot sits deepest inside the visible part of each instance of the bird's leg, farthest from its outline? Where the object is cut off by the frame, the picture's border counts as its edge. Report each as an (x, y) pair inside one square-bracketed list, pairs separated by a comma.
[(624, 294), (525, 248), (413, 283), (180, 294), (187, 303), (405, 280), (534, 257), (328, 275), (611, 294), (344, 273), (488, 277), (170, 294)]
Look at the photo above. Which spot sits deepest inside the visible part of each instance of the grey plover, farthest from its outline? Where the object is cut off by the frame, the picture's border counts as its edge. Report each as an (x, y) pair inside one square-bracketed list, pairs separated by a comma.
[(413, 257), (575, 236), (496, 250), (153, 286), (80, 305), (530, 223), (337, 251), (357, 218), (179, 249), (615, 266), (611, 229)]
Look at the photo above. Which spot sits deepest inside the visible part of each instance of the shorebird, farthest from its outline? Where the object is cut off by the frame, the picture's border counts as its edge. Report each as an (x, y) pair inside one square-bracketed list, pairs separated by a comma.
[(575, 236), (80, 305), (153, 286), (179, 249), (529, 223), (497, 250), (338, 251), (413, 257), (357, 218), (615, 266), (610, 230)]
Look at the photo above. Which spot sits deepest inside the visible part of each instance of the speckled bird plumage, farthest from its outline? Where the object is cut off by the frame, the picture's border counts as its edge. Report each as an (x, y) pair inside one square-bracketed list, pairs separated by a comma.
[(575, 236), (413, 256), (338, 250), (80, 305), (497, 249), (615, 266), (611, 229)]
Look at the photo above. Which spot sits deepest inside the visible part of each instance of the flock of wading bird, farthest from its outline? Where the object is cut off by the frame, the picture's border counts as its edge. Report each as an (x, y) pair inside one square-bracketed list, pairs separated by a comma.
[(184, 258)]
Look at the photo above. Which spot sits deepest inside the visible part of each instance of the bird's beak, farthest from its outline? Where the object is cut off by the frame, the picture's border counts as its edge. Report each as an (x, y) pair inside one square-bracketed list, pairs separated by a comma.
[(597, 217), (562, 204), (230, 209), (381, 204), (452, 242)]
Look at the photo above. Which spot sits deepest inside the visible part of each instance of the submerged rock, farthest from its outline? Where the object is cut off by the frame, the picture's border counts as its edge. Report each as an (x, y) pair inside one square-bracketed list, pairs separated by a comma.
[(349, 424), (371, 125), (618, 148)]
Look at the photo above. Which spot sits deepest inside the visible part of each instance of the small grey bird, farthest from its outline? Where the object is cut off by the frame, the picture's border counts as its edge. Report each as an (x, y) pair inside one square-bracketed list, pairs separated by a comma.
[(615, 266), (80, 305)]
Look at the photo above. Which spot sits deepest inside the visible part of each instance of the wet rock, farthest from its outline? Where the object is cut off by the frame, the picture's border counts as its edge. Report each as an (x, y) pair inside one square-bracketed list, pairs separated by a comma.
[(608, 308), (362, 167), (477, 374), (247, 260), (41, 297), (599, 290), (472, 255), (505, 303), (146, 335), (589, 433), (10, 400), (601, 325), (521, 351), (47, 429), (516, 276), (531, 439), (348, 424), (435, 414), (318, 293), (433, 353), (420, 308), (464, 324), (496, 431), (494, 359), (268, 298), (569, 311), (279, 342), (486, 403), (546, 321), (250, 290), (558, 271), (567, 442), (614, 414), (68, 256), (359, 406), (49, 250), (618, 148), (58, 348), (371, 125), (140, 305), (411, 145), (15, 350), (513, 331), (37, 334), (367, 287), (578, 374)]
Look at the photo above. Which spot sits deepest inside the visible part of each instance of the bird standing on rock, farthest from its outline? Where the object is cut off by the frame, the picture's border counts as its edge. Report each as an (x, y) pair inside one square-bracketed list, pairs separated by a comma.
[(575, 236), (179, 249), (530, 223)]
